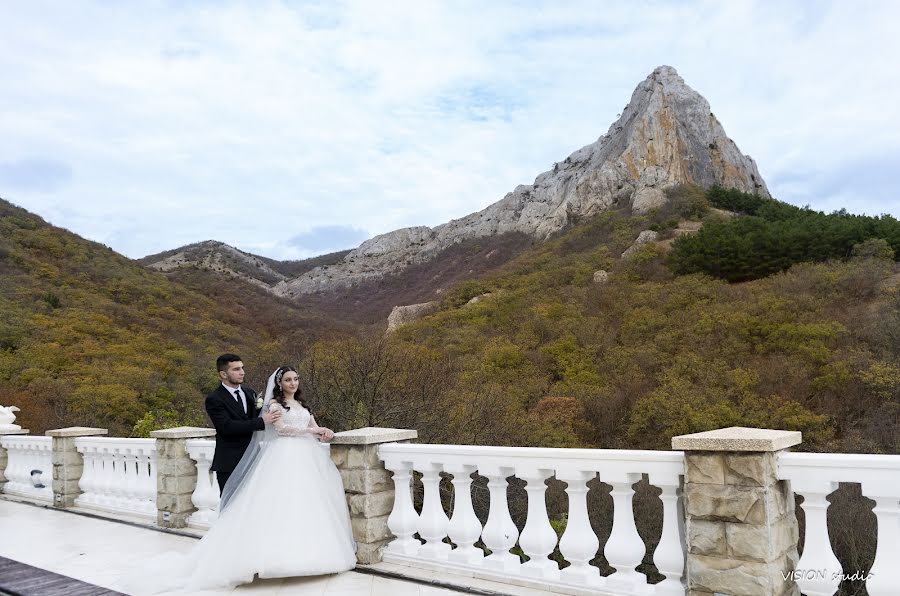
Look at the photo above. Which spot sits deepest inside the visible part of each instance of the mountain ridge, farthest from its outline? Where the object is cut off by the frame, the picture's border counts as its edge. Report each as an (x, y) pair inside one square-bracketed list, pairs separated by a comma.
[(221, 258), (666, 136)]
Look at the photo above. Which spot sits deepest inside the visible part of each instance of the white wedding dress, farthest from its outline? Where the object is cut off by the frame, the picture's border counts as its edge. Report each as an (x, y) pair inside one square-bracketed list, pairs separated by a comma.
[(288, 518)]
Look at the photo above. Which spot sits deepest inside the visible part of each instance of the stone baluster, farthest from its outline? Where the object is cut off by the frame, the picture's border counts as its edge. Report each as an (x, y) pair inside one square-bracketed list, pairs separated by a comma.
[(153, 479), (4, 457), (500, 533), (27, 451), (176, 474), (45, 465), (130, 481), (206, 495), (146, 464), (625, 549), (107, 478), (817, 553), (31, 462), (68, 464), (887, 511), (740, 521), (670, 553), (20, 472), (15, 472), (369, 489), (579, 543), (403, 518), (433, 521), (538, 538), (117, 489), (90, 475), (464, 529)]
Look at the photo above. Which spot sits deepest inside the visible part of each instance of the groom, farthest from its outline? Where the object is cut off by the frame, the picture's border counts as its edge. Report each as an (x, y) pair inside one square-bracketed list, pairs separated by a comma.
[(232, 409)]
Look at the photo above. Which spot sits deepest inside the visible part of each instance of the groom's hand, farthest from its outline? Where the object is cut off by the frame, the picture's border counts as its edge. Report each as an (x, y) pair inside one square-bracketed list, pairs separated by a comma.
[(271, 417)]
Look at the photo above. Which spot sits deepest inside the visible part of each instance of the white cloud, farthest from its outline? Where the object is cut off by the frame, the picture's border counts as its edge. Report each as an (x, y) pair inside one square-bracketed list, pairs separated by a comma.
[(183, 122)]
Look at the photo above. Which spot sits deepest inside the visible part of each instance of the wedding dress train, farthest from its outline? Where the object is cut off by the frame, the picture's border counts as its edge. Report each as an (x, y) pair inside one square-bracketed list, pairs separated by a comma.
[(288, 518)]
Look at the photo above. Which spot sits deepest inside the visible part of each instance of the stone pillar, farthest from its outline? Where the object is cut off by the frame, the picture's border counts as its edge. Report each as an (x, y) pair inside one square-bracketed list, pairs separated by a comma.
[(367, 485), (68, 463), (741, 529), (176, 474), (4, 459)]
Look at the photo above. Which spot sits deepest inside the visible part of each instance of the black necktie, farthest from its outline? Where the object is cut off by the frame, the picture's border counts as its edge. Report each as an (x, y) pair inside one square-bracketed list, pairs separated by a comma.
[(237, 395)]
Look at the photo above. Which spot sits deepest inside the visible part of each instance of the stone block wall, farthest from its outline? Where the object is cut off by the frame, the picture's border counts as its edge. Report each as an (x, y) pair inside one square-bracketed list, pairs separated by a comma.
[(68, 464), (741, 526), (367, 486), (176, 474)]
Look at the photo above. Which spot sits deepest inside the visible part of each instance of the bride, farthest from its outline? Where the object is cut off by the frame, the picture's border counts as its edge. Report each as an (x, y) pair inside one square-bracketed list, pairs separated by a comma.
[(287, 477)]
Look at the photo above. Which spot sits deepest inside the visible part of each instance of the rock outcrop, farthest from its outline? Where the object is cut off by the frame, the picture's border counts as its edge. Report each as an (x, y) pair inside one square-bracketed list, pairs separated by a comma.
[(645, 237), (479, 298), (402, 315), (666, 135)]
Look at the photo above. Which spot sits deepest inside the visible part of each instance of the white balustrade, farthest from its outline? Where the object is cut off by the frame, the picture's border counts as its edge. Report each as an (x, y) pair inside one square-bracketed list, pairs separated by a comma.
[(30, 462), (538, 538), (119, 475), (624, 549), (403, 518), (500, 533), (464, 528), (206, 494), (815, 476), (433, 522), (669, 555), (579, 543)]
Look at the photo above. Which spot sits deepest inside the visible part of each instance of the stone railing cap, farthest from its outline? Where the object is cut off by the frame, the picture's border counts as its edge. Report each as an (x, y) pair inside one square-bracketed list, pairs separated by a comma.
[(738, 438), (371, 435), (183, 432), (14, 431), (77, 431)]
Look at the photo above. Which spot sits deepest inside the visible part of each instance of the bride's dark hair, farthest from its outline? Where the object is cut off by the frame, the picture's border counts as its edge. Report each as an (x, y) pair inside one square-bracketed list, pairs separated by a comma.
[(278, 394)]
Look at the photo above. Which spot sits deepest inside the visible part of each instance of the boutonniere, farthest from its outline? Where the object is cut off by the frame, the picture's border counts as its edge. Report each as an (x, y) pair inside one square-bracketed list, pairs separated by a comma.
[(259, 403)]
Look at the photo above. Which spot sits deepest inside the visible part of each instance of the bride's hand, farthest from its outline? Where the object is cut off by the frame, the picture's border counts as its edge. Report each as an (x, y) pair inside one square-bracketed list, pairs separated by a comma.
[(326, 434)]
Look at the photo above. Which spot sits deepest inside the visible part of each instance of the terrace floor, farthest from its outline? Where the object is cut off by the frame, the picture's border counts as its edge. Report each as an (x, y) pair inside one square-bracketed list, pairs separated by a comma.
[(102, 551)]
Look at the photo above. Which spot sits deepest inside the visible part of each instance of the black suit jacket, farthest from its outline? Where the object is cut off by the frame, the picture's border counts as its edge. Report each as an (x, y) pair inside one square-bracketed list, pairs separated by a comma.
[(234, 428)]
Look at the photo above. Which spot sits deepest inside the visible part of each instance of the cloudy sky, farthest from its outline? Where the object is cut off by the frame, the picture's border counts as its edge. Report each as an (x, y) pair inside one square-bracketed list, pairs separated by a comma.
[(291, 129)]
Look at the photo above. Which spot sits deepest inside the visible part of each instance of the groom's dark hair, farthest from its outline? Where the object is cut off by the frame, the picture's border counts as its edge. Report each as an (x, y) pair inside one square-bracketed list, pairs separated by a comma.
[(224, 360)]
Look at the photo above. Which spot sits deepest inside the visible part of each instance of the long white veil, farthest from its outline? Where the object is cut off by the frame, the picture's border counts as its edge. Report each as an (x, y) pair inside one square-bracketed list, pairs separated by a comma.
[(254, 451)]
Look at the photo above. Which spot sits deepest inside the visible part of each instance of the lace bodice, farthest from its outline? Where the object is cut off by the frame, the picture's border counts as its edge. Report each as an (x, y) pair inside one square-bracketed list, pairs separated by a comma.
[(294, 422)]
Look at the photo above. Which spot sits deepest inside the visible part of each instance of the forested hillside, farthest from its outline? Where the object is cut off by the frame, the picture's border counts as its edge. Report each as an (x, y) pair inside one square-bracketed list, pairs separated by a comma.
[(743, 311), (550, 357), (88, 337)]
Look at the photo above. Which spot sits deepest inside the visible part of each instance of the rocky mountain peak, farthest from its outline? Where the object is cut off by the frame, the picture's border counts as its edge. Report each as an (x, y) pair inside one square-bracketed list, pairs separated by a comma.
[(665, 136)]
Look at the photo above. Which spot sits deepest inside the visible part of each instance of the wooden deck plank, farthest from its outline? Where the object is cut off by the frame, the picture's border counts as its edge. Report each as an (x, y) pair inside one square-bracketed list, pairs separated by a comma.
[(19, 579)]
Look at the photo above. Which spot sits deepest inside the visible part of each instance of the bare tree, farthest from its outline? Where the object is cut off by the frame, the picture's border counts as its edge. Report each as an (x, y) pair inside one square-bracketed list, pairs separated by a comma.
[(374, 380)]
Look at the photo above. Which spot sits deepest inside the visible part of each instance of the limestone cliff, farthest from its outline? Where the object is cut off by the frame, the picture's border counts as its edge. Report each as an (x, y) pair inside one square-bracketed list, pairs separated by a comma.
[(666, 135)]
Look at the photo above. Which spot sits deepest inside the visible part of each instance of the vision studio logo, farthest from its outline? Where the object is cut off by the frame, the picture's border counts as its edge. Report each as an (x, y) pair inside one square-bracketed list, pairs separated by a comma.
[(824, 574)]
